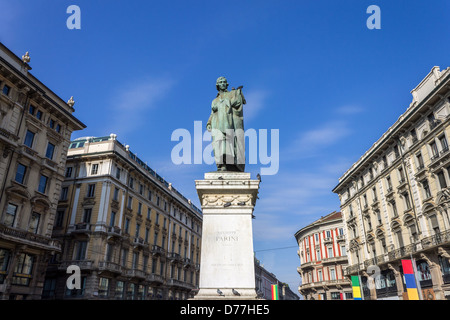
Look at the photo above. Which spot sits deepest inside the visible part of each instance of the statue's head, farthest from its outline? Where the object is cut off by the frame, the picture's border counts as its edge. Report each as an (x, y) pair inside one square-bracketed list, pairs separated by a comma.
[(221, 84)]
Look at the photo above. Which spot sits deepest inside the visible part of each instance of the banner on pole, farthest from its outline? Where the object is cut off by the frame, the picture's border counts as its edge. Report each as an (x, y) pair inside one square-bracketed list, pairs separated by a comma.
[(356, 288), (410, 280), (275, 292)]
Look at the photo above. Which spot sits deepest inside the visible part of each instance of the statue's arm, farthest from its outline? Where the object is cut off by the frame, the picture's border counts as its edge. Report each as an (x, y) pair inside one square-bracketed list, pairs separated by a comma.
[(213, 107)]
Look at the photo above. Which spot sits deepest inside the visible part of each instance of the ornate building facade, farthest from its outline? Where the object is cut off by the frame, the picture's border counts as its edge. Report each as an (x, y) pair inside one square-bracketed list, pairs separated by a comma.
[(323, 258), (395, 199), (131, 233), (35, 130)]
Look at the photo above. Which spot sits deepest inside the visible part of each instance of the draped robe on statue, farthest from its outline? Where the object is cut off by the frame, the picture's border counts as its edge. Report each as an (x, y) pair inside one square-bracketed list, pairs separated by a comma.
[(227, 130)]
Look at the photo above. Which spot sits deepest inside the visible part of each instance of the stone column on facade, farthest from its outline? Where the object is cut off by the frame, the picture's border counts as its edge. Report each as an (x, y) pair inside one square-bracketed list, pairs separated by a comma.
[(370, 285), (398, 279), (8, 282)]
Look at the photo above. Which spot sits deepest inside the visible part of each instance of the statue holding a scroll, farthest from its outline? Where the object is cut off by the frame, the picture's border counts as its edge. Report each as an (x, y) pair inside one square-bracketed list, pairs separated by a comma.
[(226, 124)]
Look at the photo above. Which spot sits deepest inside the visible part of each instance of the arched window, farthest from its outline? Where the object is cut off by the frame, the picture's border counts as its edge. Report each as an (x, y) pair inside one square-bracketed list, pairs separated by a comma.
[(445, 268), (423, 271)]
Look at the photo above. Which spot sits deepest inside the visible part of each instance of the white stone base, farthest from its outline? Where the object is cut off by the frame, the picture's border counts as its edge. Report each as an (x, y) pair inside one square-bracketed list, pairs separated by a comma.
[(227, 258)]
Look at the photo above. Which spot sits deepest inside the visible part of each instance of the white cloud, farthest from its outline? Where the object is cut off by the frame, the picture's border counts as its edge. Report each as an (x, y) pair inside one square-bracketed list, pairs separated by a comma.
[(134, 99), (349, 110), (255, 103), (321, 137)]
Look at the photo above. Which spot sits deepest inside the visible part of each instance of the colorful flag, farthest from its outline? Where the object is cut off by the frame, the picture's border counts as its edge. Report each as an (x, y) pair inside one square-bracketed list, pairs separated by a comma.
[(410, 280), (275, 292), (356, 288)]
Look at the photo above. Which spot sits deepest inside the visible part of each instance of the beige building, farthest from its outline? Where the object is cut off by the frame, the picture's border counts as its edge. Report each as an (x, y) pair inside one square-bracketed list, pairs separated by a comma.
[(323, 259), (35, 130), (395, 199), (131, 233)]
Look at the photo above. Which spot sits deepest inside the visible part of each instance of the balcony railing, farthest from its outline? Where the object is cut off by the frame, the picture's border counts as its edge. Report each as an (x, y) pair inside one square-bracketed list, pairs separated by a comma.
[(135, 273), (436, 239), (155, 278), (174, 256), (23, 235), (109, 266), (157, 250)]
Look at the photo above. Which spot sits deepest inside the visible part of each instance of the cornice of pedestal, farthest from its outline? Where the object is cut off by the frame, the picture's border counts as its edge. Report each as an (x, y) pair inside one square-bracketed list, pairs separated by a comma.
[(227, 190)]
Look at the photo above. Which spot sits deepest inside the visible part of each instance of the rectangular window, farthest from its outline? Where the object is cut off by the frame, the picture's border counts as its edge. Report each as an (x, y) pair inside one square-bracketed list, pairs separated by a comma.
[(413, 135), (330, 252), (94, 169), (29, 137), (91, 190), (6, 90), (118, 173), (394, 209), (127, 225), (20, 173), (50, 151), (68, 172), (59, 218), (116, 194), (103, 287), (444, 144), (112, 219), (119, 290), (42, 184), (64, 193), (419, 158), (139, 212), (87, 215), (23, 270), (80, 253), (130, 202), (441, 179), (10, 217), (332, 274), (34, 222), (434, 149), (388, 183), (131, 184), (407, 200), (138, 229), (39, 114), (124, 257), (51, 123), (31, 109), (135, 262), (426, 188)]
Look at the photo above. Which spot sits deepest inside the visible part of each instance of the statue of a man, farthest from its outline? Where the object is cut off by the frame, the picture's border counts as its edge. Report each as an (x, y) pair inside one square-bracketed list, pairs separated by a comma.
[(226, 124)]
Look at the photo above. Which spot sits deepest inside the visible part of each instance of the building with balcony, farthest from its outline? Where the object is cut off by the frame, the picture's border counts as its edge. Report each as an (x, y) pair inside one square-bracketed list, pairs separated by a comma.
[(35, 130), (395, 199), (131, 233), (323, 259)]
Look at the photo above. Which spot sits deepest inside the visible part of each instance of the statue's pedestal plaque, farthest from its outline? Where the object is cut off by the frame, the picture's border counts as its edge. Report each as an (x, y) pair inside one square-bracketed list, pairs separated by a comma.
[(227, 269)]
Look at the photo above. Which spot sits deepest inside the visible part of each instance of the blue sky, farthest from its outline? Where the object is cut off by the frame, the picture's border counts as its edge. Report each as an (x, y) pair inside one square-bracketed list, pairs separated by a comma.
[(311, 69)]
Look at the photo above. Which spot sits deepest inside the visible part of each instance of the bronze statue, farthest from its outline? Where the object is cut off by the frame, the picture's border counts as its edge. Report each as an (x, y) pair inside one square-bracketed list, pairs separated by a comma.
[(226, 124)]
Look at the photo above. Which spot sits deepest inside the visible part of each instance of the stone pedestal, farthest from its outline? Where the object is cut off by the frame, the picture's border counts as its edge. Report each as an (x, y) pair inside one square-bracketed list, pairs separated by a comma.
[(227, 258)]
